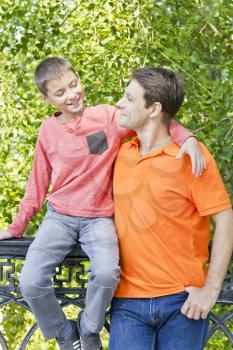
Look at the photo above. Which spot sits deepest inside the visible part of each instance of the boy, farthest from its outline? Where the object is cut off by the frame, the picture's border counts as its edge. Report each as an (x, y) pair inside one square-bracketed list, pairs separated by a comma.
[(75, 149)]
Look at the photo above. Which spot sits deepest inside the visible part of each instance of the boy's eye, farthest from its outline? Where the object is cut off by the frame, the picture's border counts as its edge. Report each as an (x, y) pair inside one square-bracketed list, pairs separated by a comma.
[(59, 93), (74, 83), (129, 98)]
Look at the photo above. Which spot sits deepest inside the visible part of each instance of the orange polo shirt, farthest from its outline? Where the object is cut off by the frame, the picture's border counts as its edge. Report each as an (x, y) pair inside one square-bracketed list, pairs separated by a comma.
[(162, 215)]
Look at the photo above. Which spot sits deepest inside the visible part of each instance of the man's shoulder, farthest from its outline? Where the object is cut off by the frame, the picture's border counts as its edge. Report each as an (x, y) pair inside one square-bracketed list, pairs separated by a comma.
[(206, 152)]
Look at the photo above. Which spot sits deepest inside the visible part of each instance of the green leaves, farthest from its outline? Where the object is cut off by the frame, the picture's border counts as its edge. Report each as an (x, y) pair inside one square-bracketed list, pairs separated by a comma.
[(105, 40)]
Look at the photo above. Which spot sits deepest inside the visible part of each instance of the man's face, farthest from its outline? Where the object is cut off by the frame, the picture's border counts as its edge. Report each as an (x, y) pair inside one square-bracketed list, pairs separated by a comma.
[(66, 93), (132, 105)]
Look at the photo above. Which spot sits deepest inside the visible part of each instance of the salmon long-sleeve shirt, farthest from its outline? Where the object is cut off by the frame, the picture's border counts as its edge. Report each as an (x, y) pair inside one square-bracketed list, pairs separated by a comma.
[(77, 158)]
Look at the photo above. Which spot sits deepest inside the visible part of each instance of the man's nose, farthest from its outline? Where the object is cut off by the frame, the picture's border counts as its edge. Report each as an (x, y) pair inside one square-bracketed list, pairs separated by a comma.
[(120, 104)]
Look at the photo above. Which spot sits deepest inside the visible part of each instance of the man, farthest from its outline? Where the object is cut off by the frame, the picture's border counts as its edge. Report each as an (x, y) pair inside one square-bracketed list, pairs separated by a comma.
[(162, 215)]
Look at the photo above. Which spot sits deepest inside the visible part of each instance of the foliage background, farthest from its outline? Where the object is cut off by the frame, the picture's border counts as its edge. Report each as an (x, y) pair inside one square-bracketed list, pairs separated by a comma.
[(105, 40)]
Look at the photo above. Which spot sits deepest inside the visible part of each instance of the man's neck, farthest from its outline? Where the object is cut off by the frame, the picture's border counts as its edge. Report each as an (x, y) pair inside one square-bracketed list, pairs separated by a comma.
[(153, 136)]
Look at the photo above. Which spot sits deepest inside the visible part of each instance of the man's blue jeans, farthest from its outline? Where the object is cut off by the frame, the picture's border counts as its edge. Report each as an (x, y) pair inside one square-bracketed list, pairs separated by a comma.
[(154, 324)]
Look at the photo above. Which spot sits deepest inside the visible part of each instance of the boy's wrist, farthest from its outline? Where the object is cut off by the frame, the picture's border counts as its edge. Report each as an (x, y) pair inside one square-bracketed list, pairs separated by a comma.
[(10, 233), (191, 136), (4, 234)]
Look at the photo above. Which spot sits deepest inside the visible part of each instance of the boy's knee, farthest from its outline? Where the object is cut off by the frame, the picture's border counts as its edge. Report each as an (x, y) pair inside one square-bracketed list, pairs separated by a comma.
[(26, 285), (30, 285), (107, 276)]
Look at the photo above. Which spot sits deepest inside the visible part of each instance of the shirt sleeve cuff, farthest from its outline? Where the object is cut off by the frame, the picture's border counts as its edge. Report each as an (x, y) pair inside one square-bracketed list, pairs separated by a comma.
[(14, 233), (215, 209), (192, 135)]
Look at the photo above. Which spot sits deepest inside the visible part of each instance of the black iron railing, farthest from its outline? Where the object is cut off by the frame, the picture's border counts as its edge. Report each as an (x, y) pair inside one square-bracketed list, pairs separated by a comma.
[(70, 287)]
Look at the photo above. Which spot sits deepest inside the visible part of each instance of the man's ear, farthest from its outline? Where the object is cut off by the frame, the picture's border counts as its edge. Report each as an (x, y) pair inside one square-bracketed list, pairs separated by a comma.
[(156, 110)]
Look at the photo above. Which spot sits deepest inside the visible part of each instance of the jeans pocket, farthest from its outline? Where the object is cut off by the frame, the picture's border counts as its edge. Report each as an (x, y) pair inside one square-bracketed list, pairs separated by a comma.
[(182, 294)]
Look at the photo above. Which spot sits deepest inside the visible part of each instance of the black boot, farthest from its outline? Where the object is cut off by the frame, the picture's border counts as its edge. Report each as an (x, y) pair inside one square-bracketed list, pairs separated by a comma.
[(73, 341)]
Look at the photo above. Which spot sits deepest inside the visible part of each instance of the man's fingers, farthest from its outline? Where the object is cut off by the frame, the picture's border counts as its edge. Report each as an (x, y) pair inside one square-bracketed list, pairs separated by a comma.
[(197, 314), (191, 312), (204, 314), (185, 308)]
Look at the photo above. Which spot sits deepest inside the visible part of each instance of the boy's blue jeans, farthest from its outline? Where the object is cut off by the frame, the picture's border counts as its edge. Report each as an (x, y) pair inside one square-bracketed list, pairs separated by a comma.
[(56, 237), (154, 324)]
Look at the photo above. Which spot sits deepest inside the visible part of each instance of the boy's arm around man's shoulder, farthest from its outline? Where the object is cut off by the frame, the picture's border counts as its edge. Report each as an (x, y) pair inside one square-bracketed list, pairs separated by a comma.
[(208, 191), (178, 132), (180, 135), (188, 144)]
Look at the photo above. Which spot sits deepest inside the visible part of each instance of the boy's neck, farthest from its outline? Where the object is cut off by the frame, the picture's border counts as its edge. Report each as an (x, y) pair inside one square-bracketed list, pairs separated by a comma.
[(64, 117)]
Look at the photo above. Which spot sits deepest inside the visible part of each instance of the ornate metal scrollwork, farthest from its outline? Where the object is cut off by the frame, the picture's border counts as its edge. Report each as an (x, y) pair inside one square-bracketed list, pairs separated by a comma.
[(70, 286), (7, 270)]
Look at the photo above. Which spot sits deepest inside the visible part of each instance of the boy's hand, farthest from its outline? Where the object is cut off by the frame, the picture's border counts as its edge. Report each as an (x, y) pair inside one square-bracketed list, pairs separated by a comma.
[(192, 148), (5, 235)]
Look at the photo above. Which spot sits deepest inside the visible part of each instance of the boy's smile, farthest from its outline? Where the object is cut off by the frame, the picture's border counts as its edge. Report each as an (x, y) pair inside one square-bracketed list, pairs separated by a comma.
[(66, 93)]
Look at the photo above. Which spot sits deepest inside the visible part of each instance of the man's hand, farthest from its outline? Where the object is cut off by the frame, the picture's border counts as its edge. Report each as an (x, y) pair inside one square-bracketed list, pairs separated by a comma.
[(5, 235), (192, 148), (199, 302)]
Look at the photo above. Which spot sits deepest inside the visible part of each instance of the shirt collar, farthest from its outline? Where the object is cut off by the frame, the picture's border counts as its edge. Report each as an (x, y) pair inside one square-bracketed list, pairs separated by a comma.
[(171, 149)]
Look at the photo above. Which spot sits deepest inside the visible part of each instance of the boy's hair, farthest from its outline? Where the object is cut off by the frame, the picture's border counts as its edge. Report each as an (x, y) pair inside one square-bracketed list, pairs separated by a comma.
[(161, 85), (49, 69)]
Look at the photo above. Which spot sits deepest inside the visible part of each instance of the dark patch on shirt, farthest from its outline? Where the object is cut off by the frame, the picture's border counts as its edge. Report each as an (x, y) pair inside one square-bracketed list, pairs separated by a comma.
[(97, 143)]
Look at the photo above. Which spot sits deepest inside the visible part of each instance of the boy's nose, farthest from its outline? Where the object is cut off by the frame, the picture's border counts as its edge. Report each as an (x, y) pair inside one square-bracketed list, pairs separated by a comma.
[(70, 94)]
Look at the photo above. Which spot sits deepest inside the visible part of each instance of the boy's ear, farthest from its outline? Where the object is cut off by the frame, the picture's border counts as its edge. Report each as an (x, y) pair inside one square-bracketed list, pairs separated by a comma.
[(44, 98)]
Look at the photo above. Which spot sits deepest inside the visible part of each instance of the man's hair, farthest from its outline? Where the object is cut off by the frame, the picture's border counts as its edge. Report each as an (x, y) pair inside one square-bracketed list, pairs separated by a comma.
[(49, 69), (160, 85)]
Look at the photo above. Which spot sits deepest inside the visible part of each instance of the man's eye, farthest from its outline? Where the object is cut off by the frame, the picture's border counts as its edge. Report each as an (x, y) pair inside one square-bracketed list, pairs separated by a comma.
[(129, 98)]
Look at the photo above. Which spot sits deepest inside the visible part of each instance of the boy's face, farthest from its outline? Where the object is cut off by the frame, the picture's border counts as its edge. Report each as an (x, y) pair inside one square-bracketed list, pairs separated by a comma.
[(132, 105), (66, 93)]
